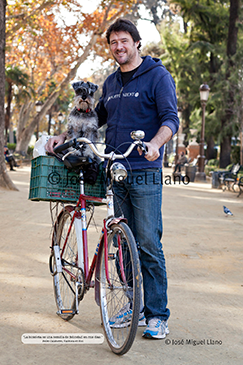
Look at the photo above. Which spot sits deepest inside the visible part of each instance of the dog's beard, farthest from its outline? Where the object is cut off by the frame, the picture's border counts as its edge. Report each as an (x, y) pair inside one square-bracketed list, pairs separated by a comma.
[(83, 105)]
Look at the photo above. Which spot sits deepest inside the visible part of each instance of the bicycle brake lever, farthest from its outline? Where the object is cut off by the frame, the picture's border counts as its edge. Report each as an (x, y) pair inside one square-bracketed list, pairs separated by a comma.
[(143, 147)]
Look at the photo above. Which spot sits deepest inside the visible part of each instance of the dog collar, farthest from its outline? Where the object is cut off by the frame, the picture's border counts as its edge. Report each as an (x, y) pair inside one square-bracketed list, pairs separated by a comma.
[(86, 111)]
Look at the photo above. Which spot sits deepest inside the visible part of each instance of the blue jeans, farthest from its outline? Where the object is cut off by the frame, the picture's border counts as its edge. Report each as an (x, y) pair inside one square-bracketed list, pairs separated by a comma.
[(139, 199)]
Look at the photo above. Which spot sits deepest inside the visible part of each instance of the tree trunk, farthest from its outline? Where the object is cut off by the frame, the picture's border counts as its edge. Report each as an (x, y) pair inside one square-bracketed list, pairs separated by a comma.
[(241, 146), (8, 111), (210, 153), (225, 150), (5, 180), (225, 147)]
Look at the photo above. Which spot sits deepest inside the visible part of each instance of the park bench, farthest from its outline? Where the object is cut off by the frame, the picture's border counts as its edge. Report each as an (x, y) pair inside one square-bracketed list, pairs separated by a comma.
[(228, 179), (240, 185)]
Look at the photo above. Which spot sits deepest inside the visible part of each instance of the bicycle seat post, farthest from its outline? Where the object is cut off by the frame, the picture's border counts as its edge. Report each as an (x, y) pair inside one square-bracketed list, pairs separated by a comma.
[(110, 203), (81, 181)]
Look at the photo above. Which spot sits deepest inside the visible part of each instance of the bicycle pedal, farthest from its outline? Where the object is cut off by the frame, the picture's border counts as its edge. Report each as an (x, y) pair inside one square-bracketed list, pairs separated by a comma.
[(67, 311)]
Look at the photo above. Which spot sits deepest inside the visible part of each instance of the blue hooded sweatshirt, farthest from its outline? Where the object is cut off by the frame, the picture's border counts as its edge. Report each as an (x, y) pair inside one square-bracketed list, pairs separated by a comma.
[(146, 102)]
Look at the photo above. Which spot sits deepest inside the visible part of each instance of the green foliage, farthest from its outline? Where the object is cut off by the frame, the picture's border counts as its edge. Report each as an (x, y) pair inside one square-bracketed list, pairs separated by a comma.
[(235, 154), (212, 165), (228, 168), (11, 146), (30, 151), (197, 54), (213, 162), (209, 169), (15, 76)]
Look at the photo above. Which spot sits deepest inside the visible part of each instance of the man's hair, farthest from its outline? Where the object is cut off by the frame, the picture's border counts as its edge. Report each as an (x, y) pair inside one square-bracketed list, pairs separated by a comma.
[(124, 25)]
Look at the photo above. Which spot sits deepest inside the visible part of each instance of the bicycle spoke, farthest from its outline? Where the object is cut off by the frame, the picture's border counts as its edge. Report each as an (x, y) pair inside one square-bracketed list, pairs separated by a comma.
[(120, 302), (65, 282)]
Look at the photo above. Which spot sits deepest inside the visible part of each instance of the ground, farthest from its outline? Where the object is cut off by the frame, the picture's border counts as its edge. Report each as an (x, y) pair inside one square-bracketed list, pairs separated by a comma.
[(203, 250)]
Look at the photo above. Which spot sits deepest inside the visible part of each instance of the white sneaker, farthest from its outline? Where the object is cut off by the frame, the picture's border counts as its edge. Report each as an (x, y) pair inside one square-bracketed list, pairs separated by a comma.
[(123, 318), (142, 320), (156, 329)]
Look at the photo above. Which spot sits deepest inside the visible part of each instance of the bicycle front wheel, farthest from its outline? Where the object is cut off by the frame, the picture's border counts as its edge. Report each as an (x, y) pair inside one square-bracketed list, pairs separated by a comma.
[(120, 289), (65, 282)]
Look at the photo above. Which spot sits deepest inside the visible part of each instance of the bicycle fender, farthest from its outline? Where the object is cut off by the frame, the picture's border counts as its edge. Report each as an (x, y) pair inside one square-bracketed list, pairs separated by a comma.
[(116, 221)]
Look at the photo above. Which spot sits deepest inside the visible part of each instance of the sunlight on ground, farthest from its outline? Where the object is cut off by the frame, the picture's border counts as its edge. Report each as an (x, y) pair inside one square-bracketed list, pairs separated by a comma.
[(214, 199), (20, 182), (208, 287), (38, 257), (25, 280)]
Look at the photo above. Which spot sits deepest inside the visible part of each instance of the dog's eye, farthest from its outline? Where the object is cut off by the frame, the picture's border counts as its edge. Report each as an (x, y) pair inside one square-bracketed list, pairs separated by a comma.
[(91, 93)]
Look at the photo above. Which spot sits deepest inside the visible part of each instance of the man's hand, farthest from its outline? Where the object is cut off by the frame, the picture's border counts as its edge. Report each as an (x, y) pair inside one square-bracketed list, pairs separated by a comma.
[(152, 151), (163, 135), (54, 142)]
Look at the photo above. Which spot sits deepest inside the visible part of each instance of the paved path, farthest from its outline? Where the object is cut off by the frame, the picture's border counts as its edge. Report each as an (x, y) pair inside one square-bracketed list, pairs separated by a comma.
[(204, 258)]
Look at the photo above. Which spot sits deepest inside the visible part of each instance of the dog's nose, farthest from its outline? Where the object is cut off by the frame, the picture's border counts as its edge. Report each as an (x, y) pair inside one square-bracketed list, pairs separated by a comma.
[(84, 97)]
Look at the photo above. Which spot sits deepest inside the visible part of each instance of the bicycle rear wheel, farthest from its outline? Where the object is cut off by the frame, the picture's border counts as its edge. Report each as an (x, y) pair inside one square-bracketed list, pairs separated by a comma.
[(119, 298), (65, 281)]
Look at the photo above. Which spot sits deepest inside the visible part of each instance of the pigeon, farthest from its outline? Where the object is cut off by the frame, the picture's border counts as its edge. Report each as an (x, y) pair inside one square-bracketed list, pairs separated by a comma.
[(227, 211)]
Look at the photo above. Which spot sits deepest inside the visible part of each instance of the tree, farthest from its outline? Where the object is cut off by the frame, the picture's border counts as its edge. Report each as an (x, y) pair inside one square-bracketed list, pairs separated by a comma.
[(48, 61), (13, 77), (212, 29), (48, 64), (229, 111), (5, 181)]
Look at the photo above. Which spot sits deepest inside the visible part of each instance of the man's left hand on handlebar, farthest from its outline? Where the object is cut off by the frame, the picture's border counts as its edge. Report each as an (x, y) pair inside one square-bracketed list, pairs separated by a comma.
[(54, 142)]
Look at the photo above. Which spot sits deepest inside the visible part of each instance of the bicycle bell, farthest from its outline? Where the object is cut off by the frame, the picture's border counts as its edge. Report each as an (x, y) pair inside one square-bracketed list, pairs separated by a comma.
[(118, 172), (137, 135)]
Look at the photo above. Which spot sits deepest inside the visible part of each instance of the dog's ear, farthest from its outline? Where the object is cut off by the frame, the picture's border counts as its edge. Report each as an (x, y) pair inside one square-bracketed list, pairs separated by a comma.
[(77, 85), (92, 86)]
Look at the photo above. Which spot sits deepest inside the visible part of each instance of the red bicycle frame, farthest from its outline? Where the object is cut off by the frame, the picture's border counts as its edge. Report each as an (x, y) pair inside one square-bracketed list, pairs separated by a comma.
[(80, 213)]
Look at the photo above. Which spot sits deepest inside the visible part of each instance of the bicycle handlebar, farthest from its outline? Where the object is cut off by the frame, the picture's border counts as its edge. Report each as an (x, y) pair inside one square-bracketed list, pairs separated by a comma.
[(73, 143), (63, 146)]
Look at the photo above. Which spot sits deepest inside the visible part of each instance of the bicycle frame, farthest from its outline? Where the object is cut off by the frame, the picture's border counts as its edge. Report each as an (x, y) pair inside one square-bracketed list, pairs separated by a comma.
[(80, 222)]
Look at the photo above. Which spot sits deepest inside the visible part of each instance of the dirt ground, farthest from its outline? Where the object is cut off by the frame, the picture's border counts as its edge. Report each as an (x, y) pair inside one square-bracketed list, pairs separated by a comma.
[(203, 250)]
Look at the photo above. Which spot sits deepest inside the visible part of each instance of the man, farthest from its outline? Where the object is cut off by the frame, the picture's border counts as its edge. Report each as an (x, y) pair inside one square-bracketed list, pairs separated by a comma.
[(181, 162), (140, 95), (10, 159)]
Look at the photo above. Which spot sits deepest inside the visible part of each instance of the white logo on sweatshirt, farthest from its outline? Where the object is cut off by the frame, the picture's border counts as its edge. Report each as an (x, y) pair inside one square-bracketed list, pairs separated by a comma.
[(125, 95)]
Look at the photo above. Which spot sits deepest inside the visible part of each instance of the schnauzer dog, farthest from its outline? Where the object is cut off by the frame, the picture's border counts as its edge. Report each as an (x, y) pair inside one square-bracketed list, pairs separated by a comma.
[(83, 120)]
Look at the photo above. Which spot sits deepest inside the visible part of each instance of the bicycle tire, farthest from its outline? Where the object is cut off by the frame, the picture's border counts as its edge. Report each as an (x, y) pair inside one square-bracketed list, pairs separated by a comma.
[(64, 284), (116, 296)]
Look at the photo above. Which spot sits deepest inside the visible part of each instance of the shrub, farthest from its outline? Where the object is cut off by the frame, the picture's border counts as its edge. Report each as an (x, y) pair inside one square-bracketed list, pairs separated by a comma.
[(213, 162), (30, 151), (11, 146), (235, 154)]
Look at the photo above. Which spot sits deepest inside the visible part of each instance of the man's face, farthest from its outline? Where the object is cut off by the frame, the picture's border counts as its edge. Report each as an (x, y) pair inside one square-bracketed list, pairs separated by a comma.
[(123, 48)]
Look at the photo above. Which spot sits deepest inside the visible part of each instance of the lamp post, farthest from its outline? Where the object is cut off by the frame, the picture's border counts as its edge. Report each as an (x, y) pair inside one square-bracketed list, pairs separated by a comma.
[(177, 135), (38, 106), (204, 92)]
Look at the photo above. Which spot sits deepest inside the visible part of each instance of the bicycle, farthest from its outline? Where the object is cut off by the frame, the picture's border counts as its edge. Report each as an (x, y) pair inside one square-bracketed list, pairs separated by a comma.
[(115, 263)]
